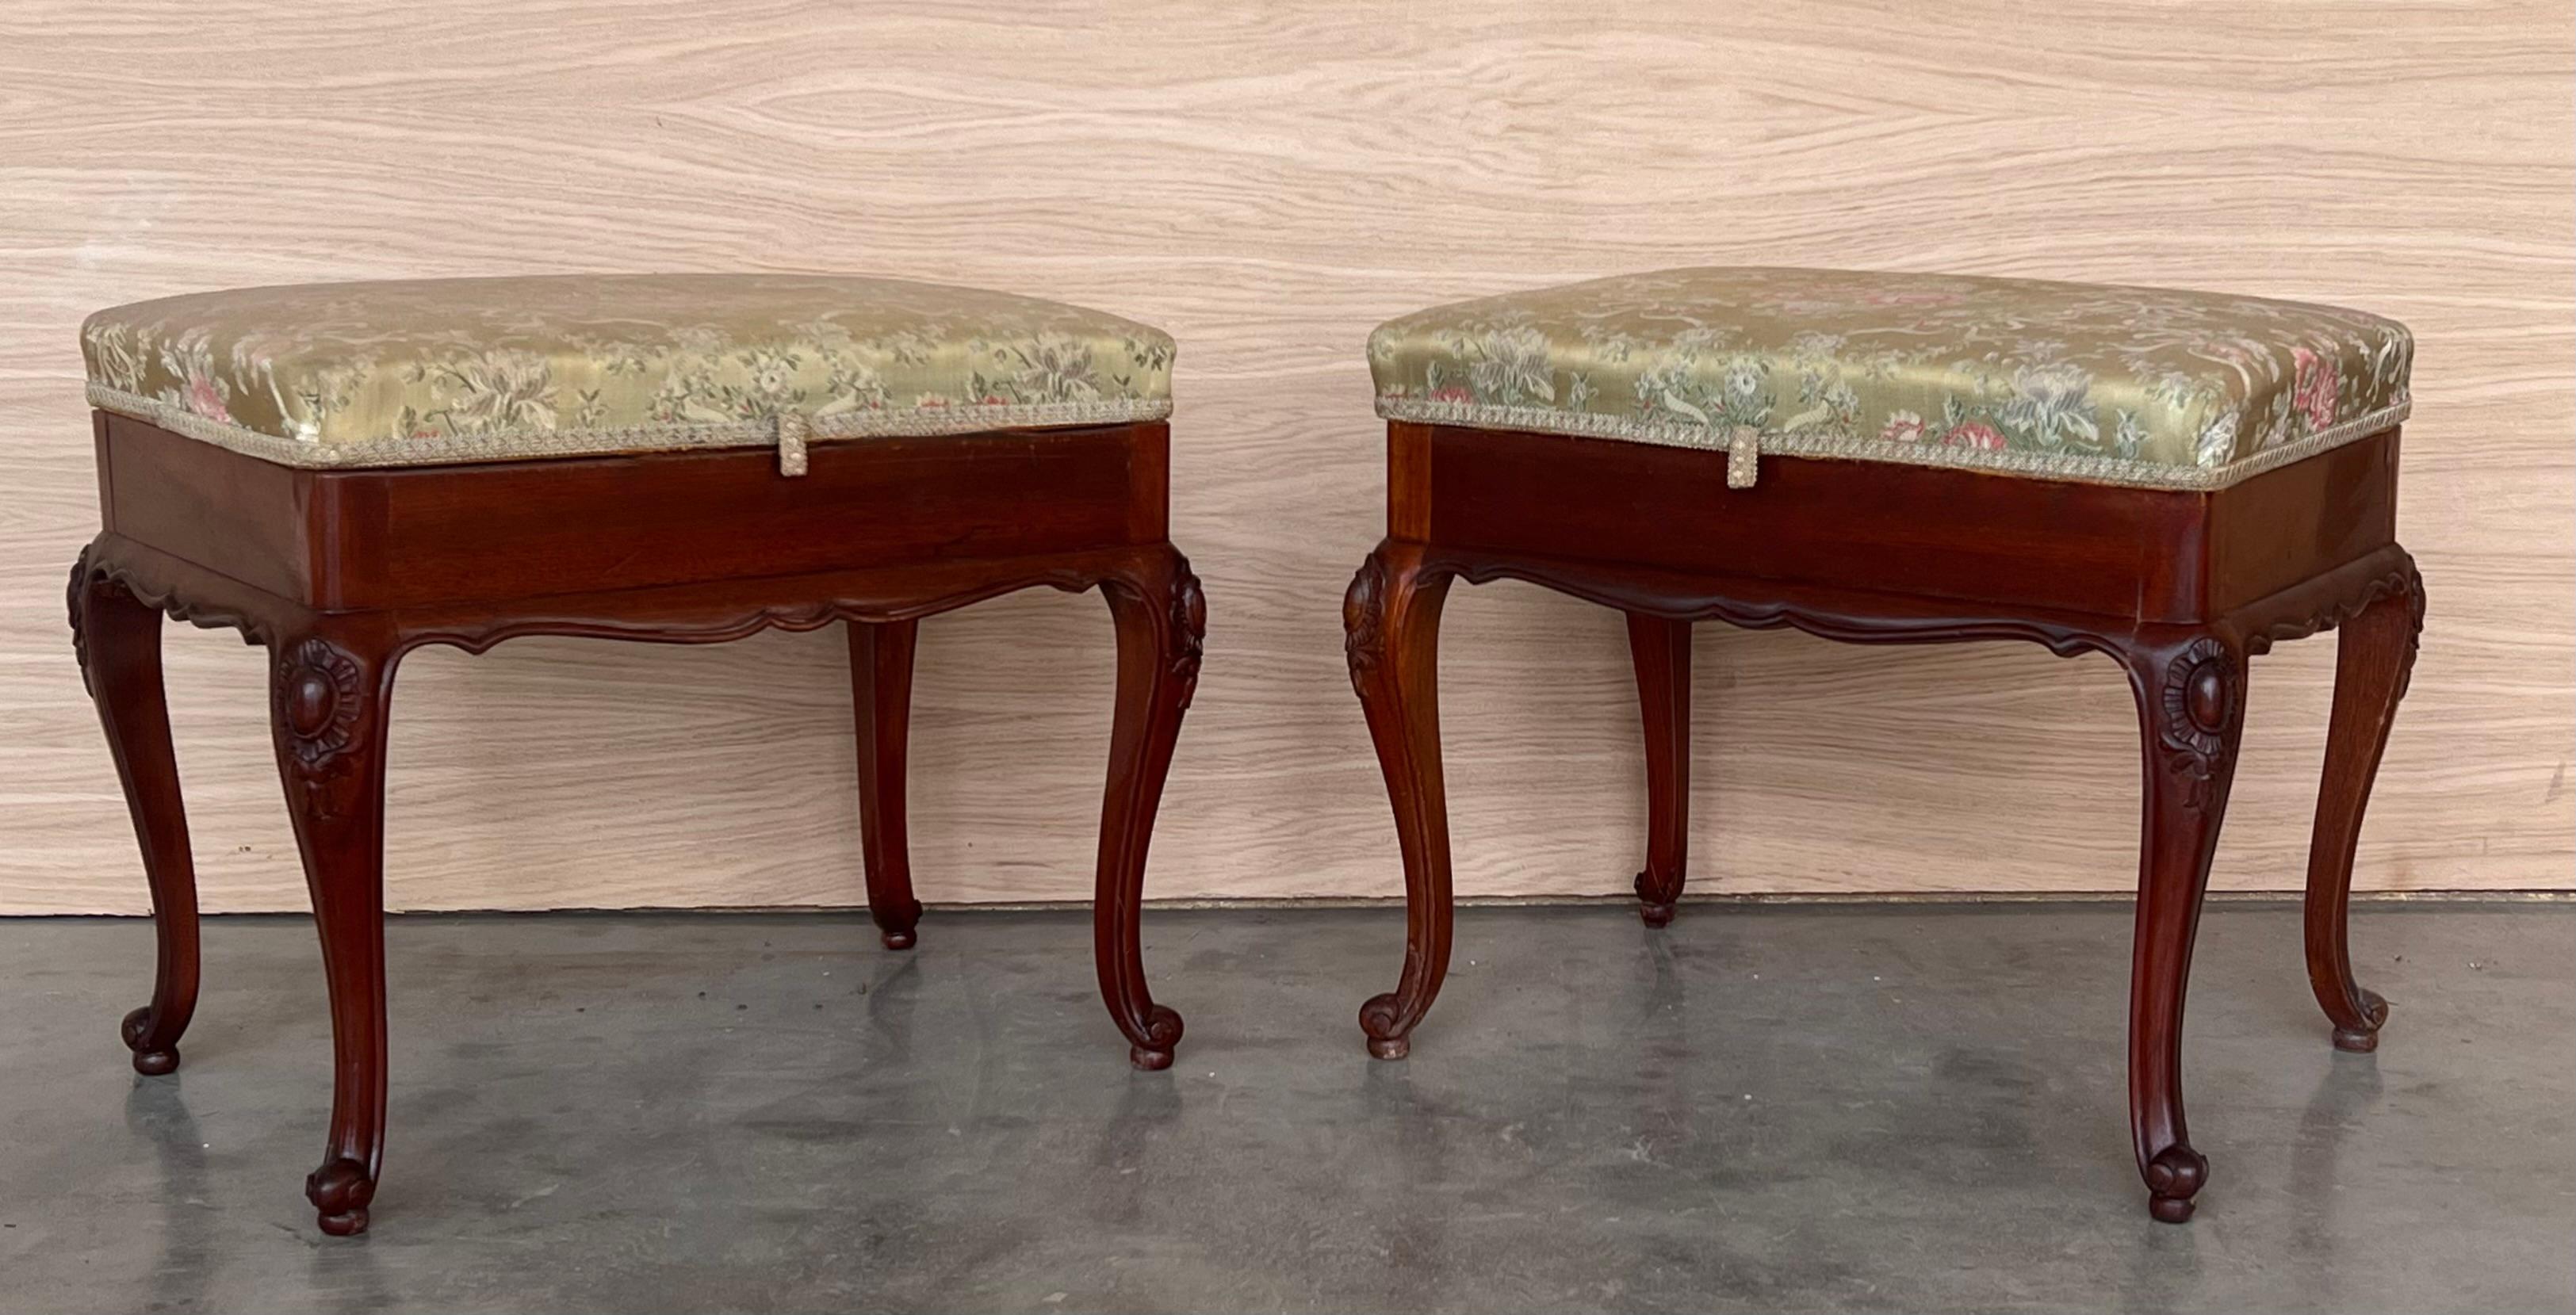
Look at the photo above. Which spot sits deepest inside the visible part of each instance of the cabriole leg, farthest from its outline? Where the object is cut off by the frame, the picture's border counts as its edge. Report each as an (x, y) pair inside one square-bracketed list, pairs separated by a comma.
[(1661, 650), (1391, 620), (1162, 619), (2191, 712), (881, 696), (331, 695), (118, 638), (2375, 655)]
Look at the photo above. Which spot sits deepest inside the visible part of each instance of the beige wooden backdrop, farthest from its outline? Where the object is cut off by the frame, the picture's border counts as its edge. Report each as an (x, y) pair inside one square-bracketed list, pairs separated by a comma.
[(1268, 178)]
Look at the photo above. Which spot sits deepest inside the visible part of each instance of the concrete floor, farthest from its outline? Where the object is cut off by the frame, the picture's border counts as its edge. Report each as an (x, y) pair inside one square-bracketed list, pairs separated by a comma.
[(1767, 1107)]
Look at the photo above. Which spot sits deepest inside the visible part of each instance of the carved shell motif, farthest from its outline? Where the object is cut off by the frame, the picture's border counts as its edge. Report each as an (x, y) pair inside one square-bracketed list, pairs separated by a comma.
[(2200, 698), (320, 699)]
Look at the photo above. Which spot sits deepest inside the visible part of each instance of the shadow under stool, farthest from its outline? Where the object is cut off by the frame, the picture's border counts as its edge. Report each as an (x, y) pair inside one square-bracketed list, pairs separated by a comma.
[(347, 472), (2178, 480)]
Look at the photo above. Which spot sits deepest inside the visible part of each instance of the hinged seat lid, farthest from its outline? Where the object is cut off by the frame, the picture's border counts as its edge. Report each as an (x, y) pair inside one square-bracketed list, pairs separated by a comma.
[(2119, 385), (424, 372)]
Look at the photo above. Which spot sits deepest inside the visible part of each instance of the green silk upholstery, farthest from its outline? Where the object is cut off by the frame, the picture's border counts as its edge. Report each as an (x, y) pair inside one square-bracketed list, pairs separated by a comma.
[(454, 370), (2102, 384)]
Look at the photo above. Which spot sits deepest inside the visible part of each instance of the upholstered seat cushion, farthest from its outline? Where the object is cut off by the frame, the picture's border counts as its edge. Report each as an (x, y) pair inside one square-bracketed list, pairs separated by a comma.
[(2101, 384), (453, 370)]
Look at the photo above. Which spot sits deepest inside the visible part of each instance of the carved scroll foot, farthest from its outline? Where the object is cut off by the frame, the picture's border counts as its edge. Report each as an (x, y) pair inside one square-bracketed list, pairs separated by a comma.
[(2363, 1040), (1161, 618), (1391, 625), (340, 1191), (1162, 1031), (1388, 1036), (154, 1055), (2174, 1176)]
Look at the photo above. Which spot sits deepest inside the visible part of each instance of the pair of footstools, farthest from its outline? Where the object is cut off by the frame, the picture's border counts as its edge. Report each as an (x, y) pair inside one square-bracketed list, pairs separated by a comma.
[(347, 472)]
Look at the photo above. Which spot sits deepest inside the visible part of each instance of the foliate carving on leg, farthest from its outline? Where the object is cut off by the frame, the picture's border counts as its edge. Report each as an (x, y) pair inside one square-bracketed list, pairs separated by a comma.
[(322, 699), (76, 601), (1364, 622), (2204, 689), (1189, 627), (2414, 635)]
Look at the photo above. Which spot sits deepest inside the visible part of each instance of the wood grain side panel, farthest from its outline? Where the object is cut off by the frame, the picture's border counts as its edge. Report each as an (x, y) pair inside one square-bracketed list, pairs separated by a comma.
[(242, 516), (1986, 539), (2274, 530), (1149, 483), (449, 533), (1408, 480)]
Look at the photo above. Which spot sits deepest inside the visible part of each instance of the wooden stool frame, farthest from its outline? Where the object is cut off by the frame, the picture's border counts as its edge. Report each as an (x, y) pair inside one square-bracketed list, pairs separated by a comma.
[(341, 572), (2181, 588)]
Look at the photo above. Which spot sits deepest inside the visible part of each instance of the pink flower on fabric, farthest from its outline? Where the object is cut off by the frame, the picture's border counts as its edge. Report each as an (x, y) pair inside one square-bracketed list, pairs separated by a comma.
[(1976, 434), (1904, 427), (205, 399), (2313, 391)]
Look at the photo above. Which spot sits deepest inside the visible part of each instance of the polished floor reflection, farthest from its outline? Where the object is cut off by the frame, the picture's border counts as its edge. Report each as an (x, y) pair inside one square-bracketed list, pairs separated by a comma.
[(1764, 1107)]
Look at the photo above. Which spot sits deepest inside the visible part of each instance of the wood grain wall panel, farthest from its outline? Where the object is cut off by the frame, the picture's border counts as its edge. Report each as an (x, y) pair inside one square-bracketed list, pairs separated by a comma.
[(1267, 181)]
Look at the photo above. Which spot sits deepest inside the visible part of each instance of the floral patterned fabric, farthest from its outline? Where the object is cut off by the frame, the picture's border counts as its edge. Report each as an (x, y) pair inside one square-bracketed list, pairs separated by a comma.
[(2121, 385), (420, 372)]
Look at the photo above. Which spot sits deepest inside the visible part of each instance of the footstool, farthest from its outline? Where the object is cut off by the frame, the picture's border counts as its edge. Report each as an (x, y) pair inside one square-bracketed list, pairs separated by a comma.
[(2179, 480), (347, 472)]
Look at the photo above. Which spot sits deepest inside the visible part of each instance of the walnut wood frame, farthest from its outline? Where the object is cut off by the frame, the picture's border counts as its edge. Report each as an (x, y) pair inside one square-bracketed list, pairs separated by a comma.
[(340, 573), (2181, 588)]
